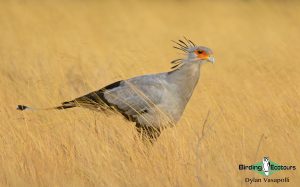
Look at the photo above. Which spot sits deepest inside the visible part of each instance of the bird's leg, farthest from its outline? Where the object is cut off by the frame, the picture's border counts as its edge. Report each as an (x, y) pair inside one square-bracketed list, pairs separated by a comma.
[(148, 133)]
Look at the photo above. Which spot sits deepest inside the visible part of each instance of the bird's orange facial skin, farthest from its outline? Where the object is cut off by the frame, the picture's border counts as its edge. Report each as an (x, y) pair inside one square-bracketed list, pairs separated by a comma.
[(201, 54)]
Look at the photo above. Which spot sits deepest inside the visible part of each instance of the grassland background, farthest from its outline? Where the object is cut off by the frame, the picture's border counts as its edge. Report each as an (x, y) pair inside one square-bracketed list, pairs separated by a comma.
[(52, 51)]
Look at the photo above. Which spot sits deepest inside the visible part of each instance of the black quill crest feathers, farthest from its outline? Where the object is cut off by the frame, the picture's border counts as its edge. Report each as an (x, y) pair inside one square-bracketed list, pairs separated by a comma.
[(185, 46)]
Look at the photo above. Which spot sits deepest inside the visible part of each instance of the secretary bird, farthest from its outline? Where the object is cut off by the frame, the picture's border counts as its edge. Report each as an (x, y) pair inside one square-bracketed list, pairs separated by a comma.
[(153, 101)]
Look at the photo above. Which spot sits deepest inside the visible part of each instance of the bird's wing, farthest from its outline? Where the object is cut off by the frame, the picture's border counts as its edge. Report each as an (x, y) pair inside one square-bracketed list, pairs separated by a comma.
[(129, 97)]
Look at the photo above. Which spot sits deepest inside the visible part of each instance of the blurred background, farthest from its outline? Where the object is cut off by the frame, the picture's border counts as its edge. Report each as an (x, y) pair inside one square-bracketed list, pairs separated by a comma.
[(52, 51)]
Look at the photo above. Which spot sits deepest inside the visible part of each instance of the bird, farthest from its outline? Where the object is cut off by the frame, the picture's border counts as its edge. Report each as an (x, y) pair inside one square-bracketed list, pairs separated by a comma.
[(153, 101)]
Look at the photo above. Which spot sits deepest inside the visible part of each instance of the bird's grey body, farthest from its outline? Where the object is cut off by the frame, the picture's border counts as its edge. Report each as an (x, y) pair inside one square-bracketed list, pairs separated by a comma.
[(153, 101)]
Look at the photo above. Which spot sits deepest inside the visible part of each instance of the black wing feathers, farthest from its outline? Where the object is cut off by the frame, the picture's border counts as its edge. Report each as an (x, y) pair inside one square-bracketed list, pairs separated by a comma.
[(97, 98)]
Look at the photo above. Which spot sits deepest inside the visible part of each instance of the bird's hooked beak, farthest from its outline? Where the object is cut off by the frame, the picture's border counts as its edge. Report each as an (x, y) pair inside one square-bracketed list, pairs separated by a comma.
[(211, 59)]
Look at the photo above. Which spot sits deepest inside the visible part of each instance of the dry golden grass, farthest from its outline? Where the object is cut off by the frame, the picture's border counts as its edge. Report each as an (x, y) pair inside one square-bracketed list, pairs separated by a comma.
[(52, 51)]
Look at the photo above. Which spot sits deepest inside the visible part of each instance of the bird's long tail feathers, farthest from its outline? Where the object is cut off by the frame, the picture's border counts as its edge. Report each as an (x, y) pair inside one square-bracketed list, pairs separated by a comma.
[(64, 105)]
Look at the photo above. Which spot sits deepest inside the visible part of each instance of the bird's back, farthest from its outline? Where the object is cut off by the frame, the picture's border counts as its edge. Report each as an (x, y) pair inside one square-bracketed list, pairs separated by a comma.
[(151, 100)]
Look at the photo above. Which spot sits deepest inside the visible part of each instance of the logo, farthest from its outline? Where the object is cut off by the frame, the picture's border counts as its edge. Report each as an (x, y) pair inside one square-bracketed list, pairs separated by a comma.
[(266, 168), (266, 165)]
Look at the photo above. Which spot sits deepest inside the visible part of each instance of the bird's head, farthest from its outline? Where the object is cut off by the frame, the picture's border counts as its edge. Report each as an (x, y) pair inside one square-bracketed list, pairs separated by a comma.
[(194, 53)]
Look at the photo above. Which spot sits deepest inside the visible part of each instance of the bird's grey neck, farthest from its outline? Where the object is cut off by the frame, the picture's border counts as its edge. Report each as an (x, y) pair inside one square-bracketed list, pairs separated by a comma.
[(186, 78)]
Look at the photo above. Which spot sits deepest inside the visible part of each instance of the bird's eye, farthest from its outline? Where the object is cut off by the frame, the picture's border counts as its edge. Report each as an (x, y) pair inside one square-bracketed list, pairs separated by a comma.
[(199, 52)]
